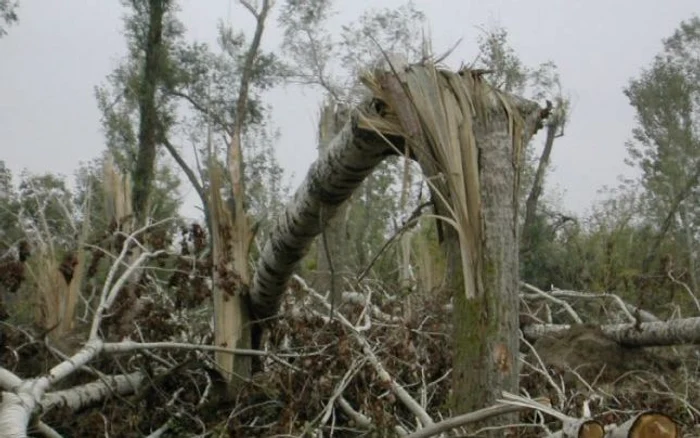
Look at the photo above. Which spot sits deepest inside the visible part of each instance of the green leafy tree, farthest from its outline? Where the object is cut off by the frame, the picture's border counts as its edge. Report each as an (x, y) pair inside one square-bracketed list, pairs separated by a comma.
[(10, 231), (666, 144), (137, 115)]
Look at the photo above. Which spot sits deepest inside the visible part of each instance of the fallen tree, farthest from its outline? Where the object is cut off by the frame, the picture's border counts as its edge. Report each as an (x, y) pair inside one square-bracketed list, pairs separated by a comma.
[(644, 334), (468, 138)]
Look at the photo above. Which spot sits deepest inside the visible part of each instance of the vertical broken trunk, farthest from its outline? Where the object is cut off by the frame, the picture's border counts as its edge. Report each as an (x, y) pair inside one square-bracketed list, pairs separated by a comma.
[(486, 323), (468, 139), (230, 274)]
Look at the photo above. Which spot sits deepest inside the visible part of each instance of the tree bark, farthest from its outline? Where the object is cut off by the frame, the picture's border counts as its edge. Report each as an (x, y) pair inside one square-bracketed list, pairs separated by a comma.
[(646, 334), (148, 112), (485, 349), (332, 257), (350, 158)]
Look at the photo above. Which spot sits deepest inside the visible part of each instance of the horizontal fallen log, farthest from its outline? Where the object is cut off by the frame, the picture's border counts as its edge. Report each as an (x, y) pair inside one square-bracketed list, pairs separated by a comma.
[(81, 397), (646, 334)]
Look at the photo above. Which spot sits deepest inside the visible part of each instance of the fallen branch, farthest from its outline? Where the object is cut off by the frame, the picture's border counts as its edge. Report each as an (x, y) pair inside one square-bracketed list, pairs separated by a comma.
[(86, 395), (646, 334), (461, 420), (400, 393), (628, 309), (570, 310)]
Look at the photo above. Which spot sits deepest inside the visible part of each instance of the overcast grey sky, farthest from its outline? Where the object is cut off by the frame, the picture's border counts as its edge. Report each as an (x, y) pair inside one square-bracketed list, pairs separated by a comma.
[(51, 61)]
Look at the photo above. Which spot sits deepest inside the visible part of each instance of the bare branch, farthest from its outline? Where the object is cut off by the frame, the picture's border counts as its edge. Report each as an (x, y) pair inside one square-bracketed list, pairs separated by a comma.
[(646, 334), (408, 401)]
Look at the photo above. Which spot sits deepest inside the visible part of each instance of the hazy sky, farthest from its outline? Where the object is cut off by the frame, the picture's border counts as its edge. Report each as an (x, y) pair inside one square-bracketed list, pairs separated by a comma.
[(51, 62)]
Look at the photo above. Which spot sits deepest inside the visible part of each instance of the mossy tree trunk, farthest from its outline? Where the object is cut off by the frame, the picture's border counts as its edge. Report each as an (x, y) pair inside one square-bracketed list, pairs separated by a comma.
[(486, 324)]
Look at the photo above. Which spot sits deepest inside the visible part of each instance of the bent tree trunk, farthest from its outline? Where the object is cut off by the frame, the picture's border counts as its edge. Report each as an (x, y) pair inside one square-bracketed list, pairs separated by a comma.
[(331, 180), (332, 256), (468, 139)]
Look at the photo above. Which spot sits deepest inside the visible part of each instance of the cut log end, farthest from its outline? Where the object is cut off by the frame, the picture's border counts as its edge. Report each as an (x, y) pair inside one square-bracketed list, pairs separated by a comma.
[(591, 429), (647, 425), (654, 425)]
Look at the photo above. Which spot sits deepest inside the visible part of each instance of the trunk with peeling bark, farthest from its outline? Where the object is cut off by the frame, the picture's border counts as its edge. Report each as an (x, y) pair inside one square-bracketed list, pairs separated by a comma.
[(232, 234), (230, 245)]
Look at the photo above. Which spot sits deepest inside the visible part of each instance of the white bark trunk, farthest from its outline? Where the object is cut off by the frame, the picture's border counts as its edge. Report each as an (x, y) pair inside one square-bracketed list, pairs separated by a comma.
[(86, 395), (349, 159), (646, 334), (15, 411), (16, 408)]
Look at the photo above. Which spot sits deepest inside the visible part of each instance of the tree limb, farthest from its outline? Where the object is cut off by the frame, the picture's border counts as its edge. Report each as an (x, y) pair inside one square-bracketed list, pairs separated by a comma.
[(646, 334)]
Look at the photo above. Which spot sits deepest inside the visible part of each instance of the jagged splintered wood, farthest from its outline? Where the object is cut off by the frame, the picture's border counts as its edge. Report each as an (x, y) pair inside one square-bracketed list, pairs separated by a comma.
[(449, 103)]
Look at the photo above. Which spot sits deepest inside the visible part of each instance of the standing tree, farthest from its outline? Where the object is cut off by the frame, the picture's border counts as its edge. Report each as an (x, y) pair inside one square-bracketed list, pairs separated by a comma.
[(154, 64), (666, 146)]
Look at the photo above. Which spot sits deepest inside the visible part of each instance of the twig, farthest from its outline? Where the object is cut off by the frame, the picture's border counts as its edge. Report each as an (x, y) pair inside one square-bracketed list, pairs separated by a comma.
[(472, 417), (687, 289), (570, 310)]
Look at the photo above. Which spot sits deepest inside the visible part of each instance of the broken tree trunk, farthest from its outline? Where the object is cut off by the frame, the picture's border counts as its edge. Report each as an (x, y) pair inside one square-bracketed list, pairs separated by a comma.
[(230, 243), (349, 159), (468, 139), (646, 334), (332, 255)]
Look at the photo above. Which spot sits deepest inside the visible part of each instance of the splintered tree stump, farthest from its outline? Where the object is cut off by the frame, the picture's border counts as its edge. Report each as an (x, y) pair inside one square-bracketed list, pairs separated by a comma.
[(647, 425)]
